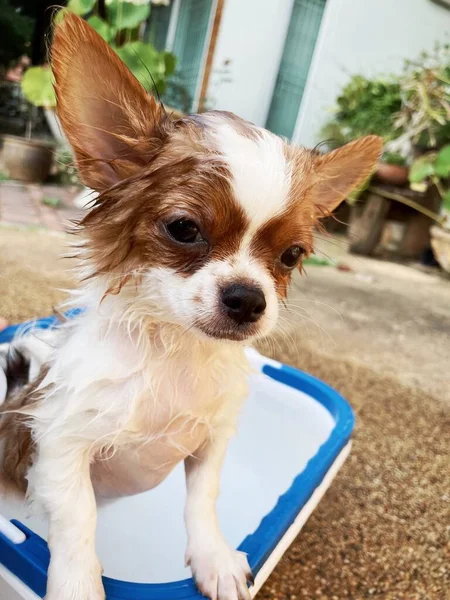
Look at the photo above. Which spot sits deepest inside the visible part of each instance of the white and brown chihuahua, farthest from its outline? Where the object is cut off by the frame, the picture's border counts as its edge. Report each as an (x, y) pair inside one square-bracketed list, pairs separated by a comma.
[(190, 245)]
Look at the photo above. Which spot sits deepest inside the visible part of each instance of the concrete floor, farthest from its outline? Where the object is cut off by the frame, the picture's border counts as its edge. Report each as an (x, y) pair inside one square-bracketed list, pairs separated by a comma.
[(393, 318)]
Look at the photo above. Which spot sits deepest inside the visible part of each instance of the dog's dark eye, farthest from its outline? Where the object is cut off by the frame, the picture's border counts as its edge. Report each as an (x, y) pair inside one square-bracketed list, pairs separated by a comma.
[(291, 256), (184, 231)]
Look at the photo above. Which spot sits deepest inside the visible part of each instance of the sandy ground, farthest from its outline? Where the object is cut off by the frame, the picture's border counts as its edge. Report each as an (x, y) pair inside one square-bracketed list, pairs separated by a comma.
[(379, 334), (392, 318), (31, 273)]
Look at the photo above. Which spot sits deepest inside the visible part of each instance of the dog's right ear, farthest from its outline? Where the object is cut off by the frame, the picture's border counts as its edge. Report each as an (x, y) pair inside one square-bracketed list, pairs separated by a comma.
[(112, 123)]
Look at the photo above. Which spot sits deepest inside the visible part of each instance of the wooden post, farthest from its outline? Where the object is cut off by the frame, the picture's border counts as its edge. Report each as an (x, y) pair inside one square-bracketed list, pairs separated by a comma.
[(210, 55)]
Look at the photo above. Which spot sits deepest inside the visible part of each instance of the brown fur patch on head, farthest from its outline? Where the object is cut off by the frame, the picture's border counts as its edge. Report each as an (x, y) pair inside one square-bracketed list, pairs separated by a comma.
[(293, 226), (126, 228), (319, 183)]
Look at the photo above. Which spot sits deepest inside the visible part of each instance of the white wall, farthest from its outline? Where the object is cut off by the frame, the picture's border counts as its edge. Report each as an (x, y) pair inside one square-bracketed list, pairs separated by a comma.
[(251, 38), (364, 37)]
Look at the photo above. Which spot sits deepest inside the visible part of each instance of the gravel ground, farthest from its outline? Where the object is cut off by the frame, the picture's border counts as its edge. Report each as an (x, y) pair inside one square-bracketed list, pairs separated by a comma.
[(31, 273), (383, 528)]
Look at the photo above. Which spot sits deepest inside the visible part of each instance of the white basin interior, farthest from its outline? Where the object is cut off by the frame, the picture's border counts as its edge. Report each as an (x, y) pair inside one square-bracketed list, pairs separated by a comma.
[(142, 538)]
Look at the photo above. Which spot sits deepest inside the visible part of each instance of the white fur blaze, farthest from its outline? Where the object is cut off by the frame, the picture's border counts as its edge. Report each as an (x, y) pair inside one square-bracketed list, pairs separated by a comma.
[(261, 174)]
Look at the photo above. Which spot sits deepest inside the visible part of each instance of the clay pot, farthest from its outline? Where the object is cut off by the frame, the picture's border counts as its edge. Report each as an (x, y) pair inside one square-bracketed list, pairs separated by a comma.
[(392, 174), (27, 160)]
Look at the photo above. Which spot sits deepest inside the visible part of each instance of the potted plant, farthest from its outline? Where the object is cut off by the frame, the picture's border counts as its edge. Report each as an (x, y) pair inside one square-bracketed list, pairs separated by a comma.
[(121, 24), (392, 169), (412, 114), (423, 121), (28, 158), (369, 106), (433, 169)]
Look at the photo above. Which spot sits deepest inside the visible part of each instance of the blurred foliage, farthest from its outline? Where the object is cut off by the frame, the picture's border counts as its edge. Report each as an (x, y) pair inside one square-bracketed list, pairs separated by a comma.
[(52, 201), (147, 64), (393, 158), (37, 86), (433, 168), (102, 28), (65, 170), (16, 27), (411, 110), (365, 106), (424, 118), (80, 7), (122, 29), (126, 15)]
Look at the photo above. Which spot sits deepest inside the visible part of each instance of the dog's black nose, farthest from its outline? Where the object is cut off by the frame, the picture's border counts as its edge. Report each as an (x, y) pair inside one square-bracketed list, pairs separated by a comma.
[(243, 303)]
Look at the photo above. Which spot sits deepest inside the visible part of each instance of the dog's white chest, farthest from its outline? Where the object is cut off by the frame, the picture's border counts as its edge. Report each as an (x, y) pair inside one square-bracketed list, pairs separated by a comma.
[(183, 399), (145, 407)]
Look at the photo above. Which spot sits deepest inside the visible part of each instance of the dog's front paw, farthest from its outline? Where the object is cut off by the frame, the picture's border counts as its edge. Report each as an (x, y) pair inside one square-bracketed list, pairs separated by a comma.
[(80, 583), (220, 572)]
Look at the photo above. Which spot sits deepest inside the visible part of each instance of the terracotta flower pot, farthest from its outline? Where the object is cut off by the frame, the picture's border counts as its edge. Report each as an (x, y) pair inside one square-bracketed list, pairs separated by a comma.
[(392, 174), (27, 160)]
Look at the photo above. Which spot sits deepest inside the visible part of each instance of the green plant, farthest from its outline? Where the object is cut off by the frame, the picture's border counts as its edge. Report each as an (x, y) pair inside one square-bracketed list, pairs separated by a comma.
[(37, 86), (65, 171), (16, 28), (424, 118), (51, 201), (394, 158), (412, 109), (121, 27), (433, 168), (365, 106)]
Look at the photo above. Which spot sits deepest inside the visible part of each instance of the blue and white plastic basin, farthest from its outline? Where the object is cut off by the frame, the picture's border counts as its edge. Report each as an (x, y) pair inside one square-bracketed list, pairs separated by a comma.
[(293, 436)]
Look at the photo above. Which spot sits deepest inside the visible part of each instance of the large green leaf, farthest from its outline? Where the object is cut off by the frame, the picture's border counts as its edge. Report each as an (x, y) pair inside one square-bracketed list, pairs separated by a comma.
[(37, 86), (421, 168), (81, 7), (442, 164), (125, 15), (170, 62), (142, 59), (101, 27)]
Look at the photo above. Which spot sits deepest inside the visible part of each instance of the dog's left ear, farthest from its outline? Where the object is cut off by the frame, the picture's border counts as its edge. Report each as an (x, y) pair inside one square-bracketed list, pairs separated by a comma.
[(111, 122), (339, 172)]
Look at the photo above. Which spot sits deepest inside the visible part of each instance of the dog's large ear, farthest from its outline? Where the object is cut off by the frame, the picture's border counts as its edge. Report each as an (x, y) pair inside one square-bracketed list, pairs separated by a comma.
[(337, 173), (106, 114)]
